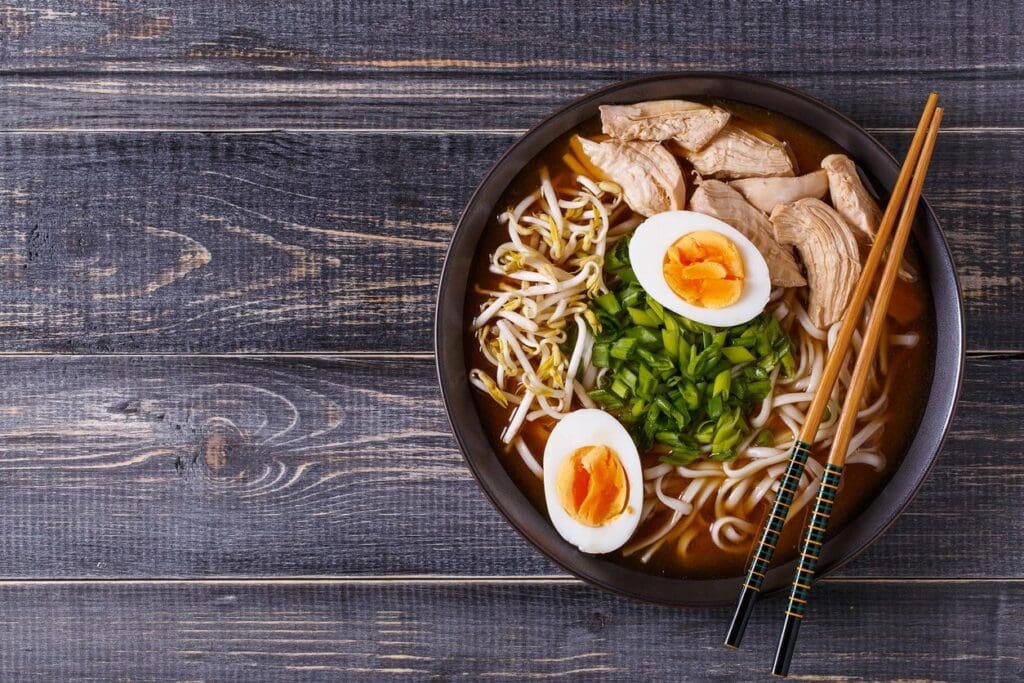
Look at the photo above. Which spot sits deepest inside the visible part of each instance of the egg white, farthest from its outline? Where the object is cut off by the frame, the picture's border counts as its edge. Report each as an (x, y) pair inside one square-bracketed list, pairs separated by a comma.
[(593, 427), (651, 242)]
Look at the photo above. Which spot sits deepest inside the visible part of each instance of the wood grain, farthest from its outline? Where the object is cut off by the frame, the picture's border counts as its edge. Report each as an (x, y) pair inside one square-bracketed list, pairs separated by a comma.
[(225, 243), (450, 100), (203, 64), (187, 242), (192, 466), (146, 465), (481, 631), (529, 37)]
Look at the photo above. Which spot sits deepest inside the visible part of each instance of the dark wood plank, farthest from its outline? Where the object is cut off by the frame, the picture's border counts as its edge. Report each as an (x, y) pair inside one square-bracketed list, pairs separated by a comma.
[(501, 99), (481, 631), (152, 242), (188, 466), (447, 35), (487, 64), (227, 243)]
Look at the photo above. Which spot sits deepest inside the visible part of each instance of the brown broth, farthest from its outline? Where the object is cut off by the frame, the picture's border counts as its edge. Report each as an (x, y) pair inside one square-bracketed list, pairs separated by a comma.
[(910, 370)]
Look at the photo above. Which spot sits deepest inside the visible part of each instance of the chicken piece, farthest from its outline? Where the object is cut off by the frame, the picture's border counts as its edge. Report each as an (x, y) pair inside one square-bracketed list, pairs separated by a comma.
[(767, 193), (715, 198), (854, 203), (647, 172), (736, 153), (829, 251), (851, 199), (690, 124)]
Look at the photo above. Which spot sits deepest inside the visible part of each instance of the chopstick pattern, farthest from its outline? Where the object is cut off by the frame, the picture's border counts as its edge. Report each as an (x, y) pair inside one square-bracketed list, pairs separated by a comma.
[(810, 549), (761, 558), (814, 535)]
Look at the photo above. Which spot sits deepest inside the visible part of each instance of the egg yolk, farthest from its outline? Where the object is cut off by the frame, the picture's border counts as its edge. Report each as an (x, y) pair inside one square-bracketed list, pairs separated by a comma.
[(591, 485), (705, 269)]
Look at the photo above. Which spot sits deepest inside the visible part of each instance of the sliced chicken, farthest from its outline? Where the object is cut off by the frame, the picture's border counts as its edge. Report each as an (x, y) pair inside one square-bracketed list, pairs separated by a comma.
[(767, 193), (851, 199), (735, 153), (854, 203), (647, 172), (690, 124), (829, 251), (717, 199)]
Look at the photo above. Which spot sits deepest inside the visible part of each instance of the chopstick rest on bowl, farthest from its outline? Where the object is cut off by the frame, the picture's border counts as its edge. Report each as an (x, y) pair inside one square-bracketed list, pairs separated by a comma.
[(771, 528), (814, 534)]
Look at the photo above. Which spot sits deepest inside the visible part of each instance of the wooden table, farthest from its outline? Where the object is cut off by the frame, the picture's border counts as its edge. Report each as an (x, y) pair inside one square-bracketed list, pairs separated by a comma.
[(223, 451)]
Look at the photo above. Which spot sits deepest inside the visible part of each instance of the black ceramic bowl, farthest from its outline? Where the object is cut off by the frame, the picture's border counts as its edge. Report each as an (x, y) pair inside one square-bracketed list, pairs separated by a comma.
[(485, 463)]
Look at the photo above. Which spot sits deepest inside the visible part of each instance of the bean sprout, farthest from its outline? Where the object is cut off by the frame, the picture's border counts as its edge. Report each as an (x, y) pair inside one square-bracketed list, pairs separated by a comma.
[(550, 268)]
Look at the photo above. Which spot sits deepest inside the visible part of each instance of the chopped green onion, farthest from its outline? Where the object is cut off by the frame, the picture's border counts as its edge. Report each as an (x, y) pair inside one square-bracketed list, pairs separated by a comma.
[(644, 336), (628, 377), (608, 303), (691, 396), (721, 386), (685, 349), (642, 317), (617, 257), (651, 422), (605, 398), (788, 363), (705, 431), (622, 348), (674, 381), (646, 382), (738, 354), (656, 309), (715, 406), (757, 391), (638, 408), (633, 295), (670, 340)]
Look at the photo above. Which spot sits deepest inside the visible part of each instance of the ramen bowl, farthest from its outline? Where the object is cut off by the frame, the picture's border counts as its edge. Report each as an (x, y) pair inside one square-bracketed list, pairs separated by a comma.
[(881, 170)]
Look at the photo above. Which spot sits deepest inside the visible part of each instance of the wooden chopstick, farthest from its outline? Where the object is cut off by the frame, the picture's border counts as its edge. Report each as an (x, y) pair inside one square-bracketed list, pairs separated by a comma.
[(814, 534), (771, 527)]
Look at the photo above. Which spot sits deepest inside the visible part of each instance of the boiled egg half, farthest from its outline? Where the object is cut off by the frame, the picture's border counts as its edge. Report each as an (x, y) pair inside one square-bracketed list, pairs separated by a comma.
[(593, 483), (701, 268)]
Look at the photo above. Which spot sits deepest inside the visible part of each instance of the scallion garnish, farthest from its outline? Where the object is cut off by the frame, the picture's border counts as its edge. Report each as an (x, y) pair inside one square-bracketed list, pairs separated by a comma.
[(676, 382)]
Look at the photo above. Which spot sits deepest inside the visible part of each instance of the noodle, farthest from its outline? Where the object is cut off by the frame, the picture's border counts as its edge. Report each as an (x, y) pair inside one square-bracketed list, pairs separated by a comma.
[(743, 484)]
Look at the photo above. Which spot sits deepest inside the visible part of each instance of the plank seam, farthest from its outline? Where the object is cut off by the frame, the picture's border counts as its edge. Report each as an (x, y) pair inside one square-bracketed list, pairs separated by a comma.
[(499, 132), (997, 354), (424, 579)]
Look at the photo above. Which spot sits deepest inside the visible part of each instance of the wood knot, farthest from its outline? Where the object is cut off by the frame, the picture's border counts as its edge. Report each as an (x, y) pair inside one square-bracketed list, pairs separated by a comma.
[(224, 449)]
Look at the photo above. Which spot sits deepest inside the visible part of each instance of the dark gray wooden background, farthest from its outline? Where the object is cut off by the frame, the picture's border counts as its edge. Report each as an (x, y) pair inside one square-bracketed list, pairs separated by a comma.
[(222, 451)]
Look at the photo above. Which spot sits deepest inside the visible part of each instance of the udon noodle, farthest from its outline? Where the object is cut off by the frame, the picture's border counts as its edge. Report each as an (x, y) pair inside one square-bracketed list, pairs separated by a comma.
[(719, 498)]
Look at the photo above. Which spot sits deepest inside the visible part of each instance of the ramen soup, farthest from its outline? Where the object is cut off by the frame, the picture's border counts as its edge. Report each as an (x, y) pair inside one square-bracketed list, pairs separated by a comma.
[(648, 319)]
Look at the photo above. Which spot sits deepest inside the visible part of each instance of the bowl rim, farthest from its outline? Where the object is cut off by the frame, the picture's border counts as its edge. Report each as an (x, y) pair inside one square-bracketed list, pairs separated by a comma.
[(485, 464)]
